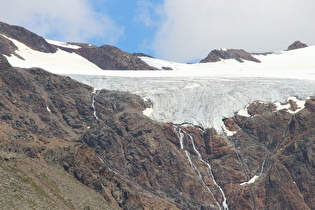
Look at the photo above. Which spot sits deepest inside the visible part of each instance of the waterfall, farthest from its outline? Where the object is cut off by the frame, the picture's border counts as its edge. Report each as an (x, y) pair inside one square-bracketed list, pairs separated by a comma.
[(183, 135), (102, 160), (224, 203), (94, 95)]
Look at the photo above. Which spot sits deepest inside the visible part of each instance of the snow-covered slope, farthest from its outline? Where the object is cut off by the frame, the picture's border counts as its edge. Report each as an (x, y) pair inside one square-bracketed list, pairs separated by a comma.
[(61, 62), (201, 93), (293, 64)]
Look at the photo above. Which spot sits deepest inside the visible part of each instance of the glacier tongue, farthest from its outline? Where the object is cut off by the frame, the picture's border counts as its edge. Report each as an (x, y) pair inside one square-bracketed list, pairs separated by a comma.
[(202, 101)]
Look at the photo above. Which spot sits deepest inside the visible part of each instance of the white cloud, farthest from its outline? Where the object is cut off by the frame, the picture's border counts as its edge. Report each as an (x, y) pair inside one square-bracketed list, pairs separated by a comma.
[(144, 13), (64, 20), (191, 29)]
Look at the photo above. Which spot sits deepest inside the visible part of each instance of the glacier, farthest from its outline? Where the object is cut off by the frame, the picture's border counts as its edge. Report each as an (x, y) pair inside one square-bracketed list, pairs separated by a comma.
[(202, 101), (201, 94)]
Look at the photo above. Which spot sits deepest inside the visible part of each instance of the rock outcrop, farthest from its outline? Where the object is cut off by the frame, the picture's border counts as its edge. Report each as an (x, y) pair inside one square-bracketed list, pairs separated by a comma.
[(25, 36), (142, 55), (296, 45), (112, 58), (237, 54), (7, 47)]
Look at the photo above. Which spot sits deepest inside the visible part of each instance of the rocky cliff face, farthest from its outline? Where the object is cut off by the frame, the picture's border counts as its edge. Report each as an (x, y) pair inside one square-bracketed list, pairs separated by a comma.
[(102, 139)]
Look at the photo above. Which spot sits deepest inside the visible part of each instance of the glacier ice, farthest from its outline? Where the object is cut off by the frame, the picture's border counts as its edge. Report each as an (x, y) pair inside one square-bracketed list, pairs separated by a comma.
[(202, 101)]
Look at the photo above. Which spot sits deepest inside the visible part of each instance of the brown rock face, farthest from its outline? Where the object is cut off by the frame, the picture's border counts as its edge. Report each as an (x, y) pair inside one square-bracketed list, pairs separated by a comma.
[(6, 46), (111, 58), (36, 106), (239, 55), (296, 45), (142, 55), (28, 38), (258, 108), (103, 140), (280, 136)]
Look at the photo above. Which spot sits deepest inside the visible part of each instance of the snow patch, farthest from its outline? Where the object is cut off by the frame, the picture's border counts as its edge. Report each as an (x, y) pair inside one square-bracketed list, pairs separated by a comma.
[(300, 105), (251, 181), (244, 112), (48, 109), (63, 44), (227, 132), (148, 111), (282, 106)]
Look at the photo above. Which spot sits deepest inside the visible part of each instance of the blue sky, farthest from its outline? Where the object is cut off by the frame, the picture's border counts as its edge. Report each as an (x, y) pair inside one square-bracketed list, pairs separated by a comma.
[(177, 30), (129, 15)]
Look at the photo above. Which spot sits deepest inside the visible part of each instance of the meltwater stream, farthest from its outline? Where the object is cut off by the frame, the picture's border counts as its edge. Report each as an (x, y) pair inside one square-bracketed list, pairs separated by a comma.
[(183, 135), (94, 95)]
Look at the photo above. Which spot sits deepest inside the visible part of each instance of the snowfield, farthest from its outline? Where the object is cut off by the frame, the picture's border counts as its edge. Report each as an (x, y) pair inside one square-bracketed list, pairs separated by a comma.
[(202, 93), (61, 62)]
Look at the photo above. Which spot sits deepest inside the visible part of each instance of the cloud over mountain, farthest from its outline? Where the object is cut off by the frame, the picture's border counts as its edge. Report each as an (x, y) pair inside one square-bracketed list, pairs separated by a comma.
[(191, 28)]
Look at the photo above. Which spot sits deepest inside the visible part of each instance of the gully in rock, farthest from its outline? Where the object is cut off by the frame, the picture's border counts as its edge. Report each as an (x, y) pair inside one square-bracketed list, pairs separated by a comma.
[(102, 160), (284, 133), (183, 135), (268, 156)]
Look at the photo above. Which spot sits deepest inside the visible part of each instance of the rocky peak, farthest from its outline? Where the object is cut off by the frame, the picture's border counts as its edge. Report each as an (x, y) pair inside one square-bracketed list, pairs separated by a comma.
[(296, 45), (237, 54), (28, 38), (142, 55), (112, 58)]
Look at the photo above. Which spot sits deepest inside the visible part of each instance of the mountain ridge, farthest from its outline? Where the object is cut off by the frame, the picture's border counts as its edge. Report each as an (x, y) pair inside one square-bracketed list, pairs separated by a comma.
[(103, 57), (109, 57)]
